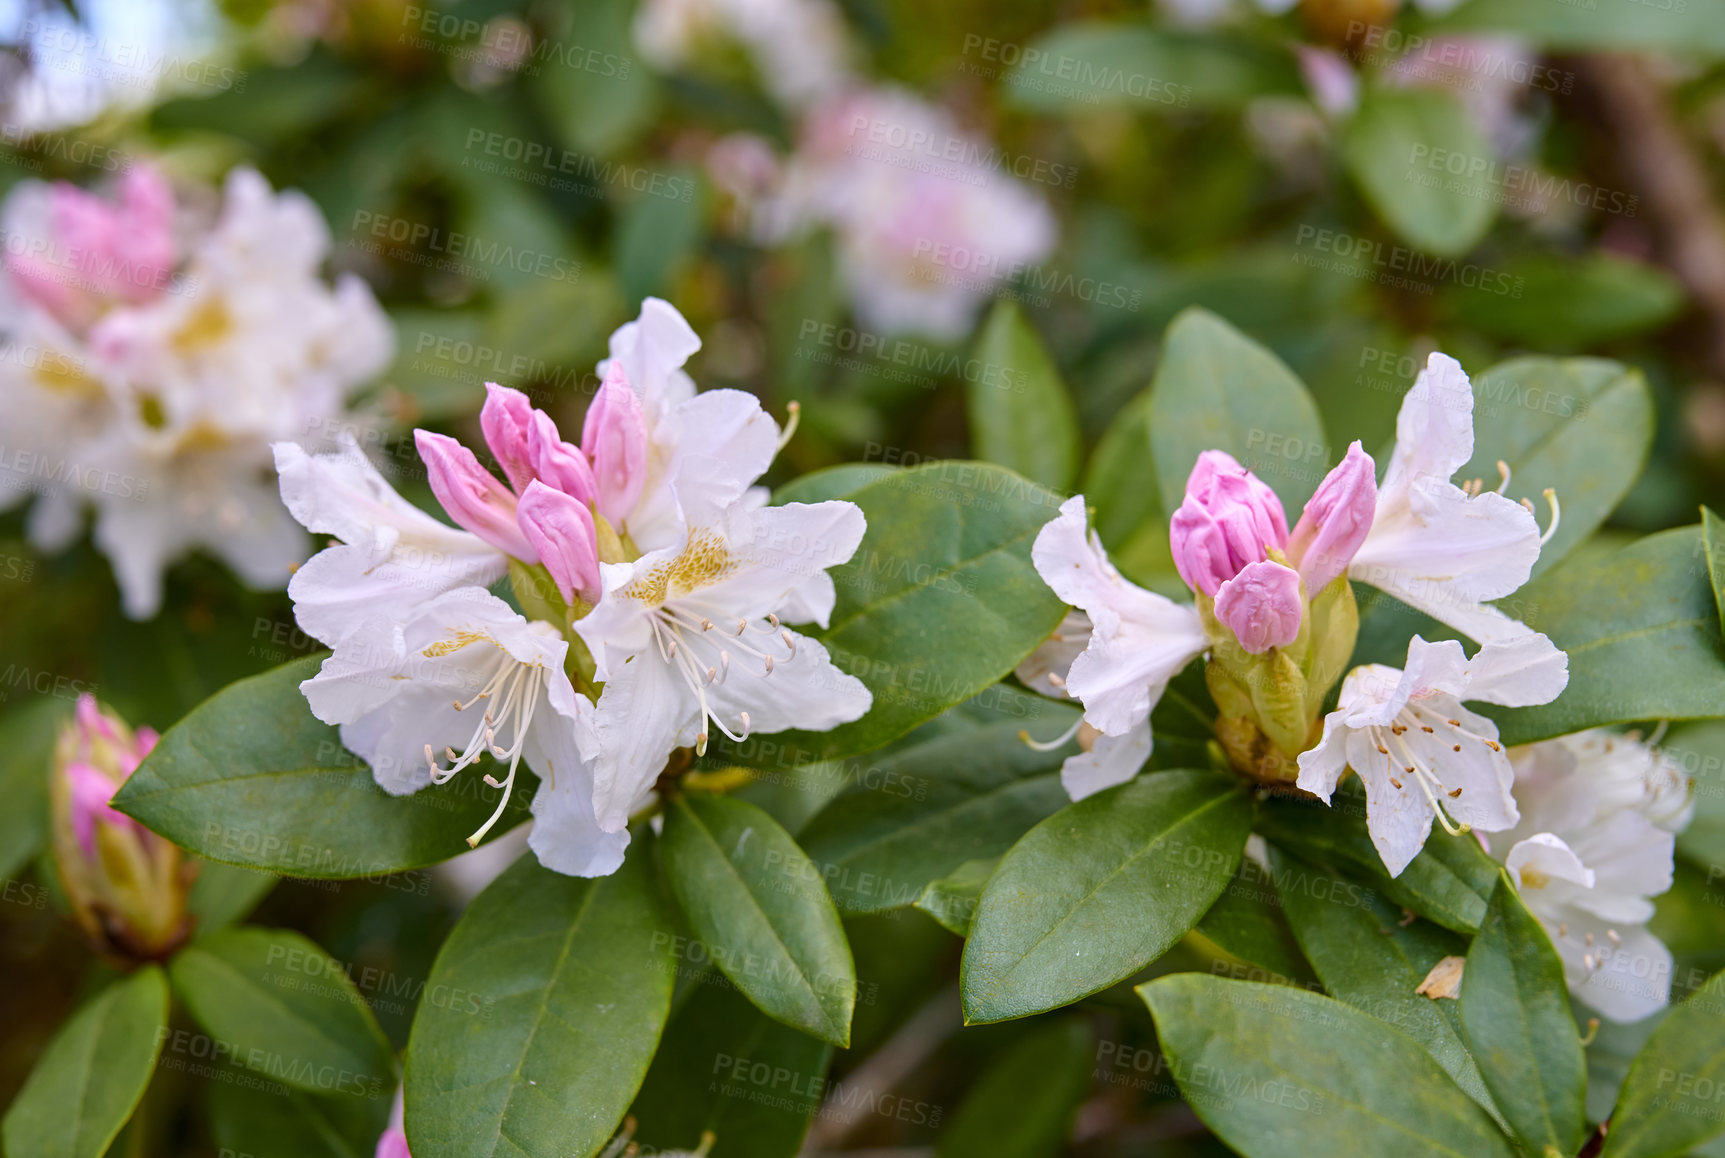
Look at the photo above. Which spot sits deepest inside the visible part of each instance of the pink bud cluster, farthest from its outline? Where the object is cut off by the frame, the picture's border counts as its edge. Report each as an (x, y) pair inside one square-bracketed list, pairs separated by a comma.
[(546, 513), (100, 745), (98, 252), (1230, 521)]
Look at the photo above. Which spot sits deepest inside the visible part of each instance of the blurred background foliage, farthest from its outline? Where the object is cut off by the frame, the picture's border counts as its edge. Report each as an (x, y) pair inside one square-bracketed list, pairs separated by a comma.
[(387, 112)]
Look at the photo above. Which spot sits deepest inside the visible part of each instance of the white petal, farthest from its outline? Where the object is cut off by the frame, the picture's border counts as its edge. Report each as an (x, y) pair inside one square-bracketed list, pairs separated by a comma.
[(1631, 859), (810, 601), (1516, 672), (774, 551), (724, 442), (566, 836), (1111, 760), (1322, 766), (1482, 773), (1542, 858), (1053, 656), (1434, 429), (1398, 819), (1629, 979), (652, 350), (644, 712), (805, 689)]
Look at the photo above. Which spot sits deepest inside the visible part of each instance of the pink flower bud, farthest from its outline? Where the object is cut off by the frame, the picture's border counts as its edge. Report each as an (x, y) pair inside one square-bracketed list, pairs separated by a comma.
[(471, 495), (1227, 520), (90, 790), (558, 464), (505, 419), (615, 438), (1262, 606), (1335, 520), (99, 251), (560, 527), (393, 1144), (145, 241)]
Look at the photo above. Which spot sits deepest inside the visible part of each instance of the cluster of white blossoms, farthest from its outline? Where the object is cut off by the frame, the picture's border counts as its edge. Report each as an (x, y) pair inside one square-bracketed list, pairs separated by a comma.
[(153, 350), (929, 219), (656, 580)]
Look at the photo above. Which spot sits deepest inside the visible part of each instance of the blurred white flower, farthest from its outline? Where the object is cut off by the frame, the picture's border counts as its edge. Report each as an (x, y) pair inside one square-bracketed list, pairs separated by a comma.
[(1599, 814), (928, 219), (800, 49), (152, 357)]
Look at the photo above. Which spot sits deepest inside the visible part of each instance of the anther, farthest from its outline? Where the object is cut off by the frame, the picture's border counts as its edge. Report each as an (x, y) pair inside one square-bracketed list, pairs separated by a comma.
[(769, 665), (790, 642), (742, 626), (706, 624), (1503, 470), (1454, 792), (774, 620)]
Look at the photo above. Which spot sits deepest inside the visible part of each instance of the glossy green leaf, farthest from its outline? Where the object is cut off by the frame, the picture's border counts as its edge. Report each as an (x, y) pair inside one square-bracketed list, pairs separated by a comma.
[(658, 233), (1279, 1072), (1649, 609), (1686, 26), (834, 482), (556, 990), (938, 603), (1368, 959), (252, 778), (224, 893), (590, 85), (1389, 148), (963, 788), (1671, 1099), (951, 900), (273, 1121), (1217, 389), (759, 905), (1120, 479), (1021, 415), (1247, 923), (725, 1066), (1448, 883), (1515, 1014), (1580, 426), (1713, 546), (1099, 890), (1094, 64), (27, 736), (92, 1074), (287, 1010), (1565, 304), (1022, 1105), (1699, 750)]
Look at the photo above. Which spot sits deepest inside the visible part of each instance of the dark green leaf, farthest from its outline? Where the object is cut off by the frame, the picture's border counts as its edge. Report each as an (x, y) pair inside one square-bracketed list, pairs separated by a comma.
[(726, 1067), (1649, 609), (1278, 1072), (274, 1121), (1564, 304), (1671, 1099), (1368, 959), (252, 778), (951, 900), (1247, 923), (1581, 426), (556, 990), (1217, 389), (1099, 890), (223, 894), (1687, 26), (1388, 150), (1713, 545), (962, 788), (1022, 1105), (758, 903), (1083, 66), (1515, 1013), (940, 600), (1020, 413), (287, 1010), (658, 233), (92, 1074), (1120, 480), (835, 482), (27, 736)]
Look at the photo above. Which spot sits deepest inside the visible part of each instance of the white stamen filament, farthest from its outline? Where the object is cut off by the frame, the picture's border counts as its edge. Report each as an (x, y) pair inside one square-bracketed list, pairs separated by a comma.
[(677, 630), (1058, 741), (1414, 715), (522, 684), (794, 415)]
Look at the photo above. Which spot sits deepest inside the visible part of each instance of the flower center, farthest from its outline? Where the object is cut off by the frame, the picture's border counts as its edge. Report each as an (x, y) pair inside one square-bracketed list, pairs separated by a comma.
[(700, 649), (1403, 760), (510, 695)]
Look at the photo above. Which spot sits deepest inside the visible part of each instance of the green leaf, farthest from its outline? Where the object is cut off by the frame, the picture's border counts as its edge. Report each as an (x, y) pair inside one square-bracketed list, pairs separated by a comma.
[(1568, 303), (1388, 150), (277, 1120), (1023, 1104), (1279, 1072), (1367, 959), (951, 900), (1515, 1013), (657, 234), (1648, 609), (1687, 26), (1448, 883), (1581, 426), (590, 85), (1021, 415), (708, 1075), (287, 1010), (1670, 1101), (1247, 923), (27, 737), (1118, 477), (834, 482), (92, 1074), (252, 778), (1099, 890), (940, 600), (577, 977), (223, 894), (758, 903), (1094, 64), (963, 788), (1699, 750), (1713, 546), (1217, 389)]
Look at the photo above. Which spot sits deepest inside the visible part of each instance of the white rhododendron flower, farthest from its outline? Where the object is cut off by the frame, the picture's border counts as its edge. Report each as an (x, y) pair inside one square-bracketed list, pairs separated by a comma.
[(156, 355), (1418, 751), (800, 49), (1596, 840)]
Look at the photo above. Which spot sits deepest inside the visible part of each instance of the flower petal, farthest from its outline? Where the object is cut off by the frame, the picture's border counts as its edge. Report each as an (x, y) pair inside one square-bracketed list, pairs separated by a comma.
[(1111, 760), (643, 713)]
